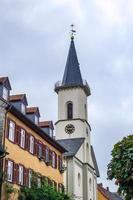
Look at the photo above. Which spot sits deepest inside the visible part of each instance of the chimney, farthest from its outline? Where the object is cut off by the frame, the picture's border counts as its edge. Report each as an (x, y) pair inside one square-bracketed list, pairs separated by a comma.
[(100, 185)]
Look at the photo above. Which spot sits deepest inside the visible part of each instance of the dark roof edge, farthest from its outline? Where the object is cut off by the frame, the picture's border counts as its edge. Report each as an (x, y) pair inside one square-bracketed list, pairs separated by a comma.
[(95, 161), (37, 129)]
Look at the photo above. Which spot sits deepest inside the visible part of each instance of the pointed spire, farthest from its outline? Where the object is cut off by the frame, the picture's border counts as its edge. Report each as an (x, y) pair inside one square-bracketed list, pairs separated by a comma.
[(72, 75)]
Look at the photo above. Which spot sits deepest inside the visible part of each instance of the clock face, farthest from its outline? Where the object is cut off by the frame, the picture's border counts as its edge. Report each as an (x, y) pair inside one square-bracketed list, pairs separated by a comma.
[(69, 129)]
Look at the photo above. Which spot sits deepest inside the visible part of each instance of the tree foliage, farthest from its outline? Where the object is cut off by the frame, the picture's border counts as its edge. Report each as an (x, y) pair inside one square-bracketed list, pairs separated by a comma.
[(120, 167), (44, 192)]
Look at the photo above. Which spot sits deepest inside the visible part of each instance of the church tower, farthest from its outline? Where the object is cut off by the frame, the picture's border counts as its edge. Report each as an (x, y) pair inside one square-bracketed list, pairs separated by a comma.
[(73, 130)]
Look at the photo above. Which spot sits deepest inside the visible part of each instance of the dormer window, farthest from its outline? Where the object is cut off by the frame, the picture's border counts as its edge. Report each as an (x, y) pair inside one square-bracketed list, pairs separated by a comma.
[(23, 108), (5, 93)]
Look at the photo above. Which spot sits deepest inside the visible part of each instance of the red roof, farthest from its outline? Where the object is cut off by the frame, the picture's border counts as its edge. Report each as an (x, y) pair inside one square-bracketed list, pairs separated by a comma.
[(46, 124), (18, 97), (32, 110)]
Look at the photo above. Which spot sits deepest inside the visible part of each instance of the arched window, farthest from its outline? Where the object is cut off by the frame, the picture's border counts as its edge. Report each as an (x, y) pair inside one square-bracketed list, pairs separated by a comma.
[(69, 110), (90, 183), (79, 179), (87, 153)]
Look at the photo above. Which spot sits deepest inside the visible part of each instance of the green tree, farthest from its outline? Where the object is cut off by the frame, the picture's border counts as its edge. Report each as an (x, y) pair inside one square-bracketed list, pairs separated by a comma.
[(45, 192), (120, 167)]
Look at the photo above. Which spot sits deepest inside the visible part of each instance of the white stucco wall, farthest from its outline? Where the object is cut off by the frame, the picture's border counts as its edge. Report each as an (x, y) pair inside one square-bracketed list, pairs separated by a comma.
[(79, 99), (78, 187)]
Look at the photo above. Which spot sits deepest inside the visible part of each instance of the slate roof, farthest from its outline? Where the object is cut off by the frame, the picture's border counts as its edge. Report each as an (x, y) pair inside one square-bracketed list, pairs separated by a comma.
[(110, 195), (72, 75), (71, 145), (94, 162)]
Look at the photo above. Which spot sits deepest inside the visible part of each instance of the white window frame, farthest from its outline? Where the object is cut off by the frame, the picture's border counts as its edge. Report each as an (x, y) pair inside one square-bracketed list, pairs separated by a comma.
[(53, 159), (5, 93), (23, 109), (21, 175), (10, 171), (22, 141), (31, 144), (11, 131)]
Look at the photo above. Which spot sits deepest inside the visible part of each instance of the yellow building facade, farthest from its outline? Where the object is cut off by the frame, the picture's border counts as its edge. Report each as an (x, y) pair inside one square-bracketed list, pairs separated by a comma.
[(29, 148), (101, 194)]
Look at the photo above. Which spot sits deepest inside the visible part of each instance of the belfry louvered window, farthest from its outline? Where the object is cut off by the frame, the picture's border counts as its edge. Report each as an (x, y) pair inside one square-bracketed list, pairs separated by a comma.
[(69, 110)]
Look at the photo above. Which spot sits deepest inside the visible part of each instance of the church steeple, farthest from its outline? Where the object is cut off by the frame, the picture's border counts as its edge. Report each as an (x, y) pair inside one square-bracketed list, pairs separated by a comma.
[(72, 75)]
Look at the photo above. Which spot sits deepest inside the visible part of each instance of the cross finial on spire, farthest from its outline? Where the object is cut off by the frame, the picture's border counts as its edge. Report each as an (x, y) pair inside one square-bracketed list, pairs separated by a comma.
[(72, 32)]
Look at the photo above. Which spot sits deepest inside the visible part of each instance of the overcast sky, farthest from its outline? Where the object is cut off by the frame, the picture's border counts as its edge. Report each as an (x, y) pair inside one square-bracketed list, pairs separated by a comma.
[(34, 42)]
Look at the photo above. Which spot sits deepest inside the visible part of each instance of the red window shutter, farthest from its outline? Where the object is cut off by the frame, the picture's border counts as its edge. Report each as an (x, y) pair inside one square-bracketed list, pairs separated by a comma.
[(50, 156), (5, 167), (27, 141), (8, 125), (55, 161), (35, 146), (44, 151), (59, 162), (26, 176), (13, 180), (15, 134), (18, 134), (15, 173)]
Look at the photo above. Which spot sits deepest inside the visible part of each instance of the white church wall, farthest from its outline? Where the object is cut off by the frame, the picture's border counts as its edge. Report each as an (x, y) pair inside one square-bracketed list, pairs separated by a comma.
[(78, 180), (80, 154), (79, 127), (92, 185), (75, 95)]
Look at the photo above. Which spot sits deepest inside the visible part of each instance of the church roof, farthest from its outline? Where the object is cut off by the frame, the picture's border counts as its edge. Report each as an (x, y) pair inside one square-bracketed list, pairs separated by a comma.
[(94, 161), (71, 145), (72, 75)]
